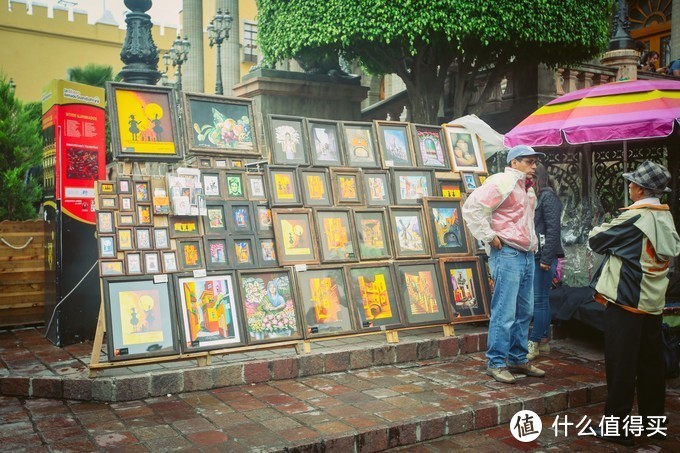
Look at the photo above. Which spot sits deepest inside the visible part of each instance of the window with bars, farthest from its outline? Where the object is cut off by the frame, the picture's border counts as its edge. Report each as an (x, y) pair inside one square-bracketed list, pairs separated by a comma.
[(250, 50)]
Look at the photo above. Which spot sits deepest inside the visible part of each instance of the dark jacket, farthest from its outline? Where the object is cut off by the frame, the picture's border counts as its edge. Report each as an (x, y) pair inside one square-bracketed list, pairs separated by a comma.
[(547, 221)]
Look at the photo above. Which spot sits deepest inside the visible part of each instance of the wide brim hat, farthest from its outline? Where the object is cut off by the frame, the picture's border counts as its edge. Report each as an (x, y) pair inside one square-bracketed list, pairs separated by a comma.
[(651, 176)]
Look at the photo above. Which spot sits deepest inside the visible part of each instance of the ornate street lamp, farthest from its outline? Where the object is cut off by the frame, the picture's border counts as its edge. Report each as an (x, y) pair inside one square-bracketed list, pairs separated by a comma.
[(178, 55), (12, 86), (621, 38), (139, 52), (218, 31)]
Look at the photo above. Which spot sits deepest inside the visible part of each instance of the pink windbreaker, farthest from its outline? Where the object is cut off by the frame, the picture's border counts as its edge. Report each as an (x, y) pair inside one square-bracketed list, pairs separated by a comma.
[(503, 207)]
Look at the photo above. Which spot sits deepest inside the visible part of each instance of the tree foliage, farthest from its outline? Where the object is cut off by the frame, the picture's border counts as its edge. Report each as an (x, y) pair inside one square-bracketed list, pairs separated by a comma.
[(420, 40), (91, 74), (20, 151)]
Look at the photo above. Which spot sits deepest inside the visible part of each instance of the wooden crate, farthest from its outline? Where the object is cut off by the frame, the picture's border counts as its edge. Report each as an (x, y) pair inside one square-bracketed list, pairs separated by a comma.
[(22, 273)]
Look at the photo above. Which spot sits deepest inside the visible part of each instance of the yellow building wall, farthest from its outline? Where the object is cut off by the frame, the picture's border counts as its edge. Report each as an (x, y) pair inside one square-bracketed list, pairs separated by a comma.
[(37, 49), (248, 12)]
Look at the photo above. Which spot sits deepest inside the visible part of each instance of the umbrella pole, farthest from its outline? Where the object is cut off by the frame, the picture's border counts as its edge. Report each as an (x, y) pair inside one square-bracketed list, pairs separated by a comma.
[(625, 169)]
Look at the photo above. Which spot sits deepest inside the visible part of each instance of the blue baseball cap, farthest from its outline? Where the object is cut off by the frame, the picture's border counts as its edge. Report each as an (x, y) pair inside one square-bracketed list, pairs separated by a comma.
[(522, 151)]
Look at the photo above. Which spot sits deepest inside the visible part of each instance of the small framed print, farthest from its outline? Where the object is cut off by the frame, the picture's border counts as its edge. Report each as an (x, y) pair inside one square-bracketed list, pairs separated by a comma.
[(287, 140), (169, 261), (216, 221), (144, 214), (464, 290), (316, 189), (221, 163), (266, 249), (125, 219), (430, 147), (412, 185), (143, 238), (469, 182), (161, 238), (233, 182), (126, 203), (325, 302), (108, 202), (240, 217), (263, 219), (360, 145), (243, 253), (421, 293), (294, 234), (184, 226), (283, 186), (205, 162), (255, 186), (125, 186), (324, 142), (105, 222), (133, 263), (109, 268), (373, 296), (107, 246), (212, 189), (190, 254), (449, 188), (464, 149), (217, 253), (376, 188), (142, 191), (396, 147), (346, 186), (337, 238), (236, 163), (125, 239), (479, 179), (106, 187), (448, 234), (409, 232), (372, 234)]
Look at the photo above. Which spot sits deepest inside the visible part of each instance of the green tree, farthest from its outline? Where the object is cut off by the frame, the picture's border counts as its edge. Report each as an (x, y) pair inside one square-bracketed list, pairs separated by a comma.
[(421, 40), (91, 74), (20, 151)]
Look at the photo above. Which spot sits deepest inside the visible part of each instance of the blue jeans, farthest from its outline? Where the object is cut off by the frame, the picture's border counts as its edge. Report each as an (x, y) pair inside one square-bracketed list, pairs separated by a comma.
[(512, 306), (542, 284)]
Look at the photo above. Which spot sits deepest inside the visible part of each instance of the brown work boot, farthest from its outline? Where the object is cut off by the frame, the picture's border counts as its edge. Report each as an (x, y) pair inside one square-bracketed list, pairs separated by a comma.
[(526, 369), (501, 375)]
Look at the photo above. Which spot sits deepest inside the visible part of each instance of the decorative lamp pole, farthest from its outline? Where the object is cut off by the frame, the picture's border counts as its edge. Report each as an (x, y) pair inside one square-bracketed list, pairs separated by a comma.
[(178, 54), (12, 86), (621, 38), (218, 31), (139, 52)]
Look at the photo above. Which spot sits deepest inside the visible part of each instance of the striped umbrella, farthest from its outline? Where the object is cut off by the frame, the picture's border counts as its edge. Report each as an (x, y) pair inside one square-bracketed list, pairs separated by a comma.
[(618, 111)]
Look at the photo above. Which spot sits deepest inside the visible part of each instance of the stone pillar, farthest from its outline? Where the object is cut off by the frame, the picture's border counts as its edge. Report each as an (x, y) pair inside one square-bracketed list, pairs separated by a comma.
[(625, 62), (193, 77), (231, 48)]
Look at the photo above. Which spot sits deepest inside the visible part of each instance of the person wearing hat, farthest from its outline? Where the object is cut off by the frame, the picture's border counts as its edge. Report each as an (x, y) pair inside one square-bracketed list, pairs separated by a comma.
[(501, 213), (638, 247)]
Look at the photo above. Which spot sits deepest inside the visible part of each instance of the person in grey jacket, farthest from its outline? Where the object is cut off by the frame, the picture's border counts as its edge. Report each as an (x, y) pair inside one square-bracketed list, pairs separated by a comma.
[(547, 218)]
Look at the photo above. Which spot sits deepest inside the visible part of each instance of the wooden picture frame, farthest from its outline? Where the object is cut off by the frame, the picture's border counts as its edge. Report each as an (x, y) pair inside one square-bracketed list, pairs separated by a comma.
[(133, 263), (111, 268), (412, 185), (324, 298), (144, 214), (255, 186), (124, 186), (283, 186), (269, 307), (395, 143), (140, 318), (124, 239), (360, 145), (107, 202), (184, 226), (216, 221), (152, 262), (373, 234), (316, 187), (347, 185), (216, 253), (337, 238), (421, 293), (468, 181), (219, 125), (288, 143), (106, 188), (212, 185), (126, 203), (125, 219), (448, 234), (239, 217), (450, 187), (243, 254), (190, 254), (143, 122), (262, 216), (143, 238), (294, 234), (464, 290), (480, 178), (373, 296), (142, 190), (170, 263), (105, 222), (107, 246), (234, 188), (409, 232), (324, 142), (209, 317), (465, 149), (266, 251), (205, 162), (161, 238), (377, 189), (430, 147)]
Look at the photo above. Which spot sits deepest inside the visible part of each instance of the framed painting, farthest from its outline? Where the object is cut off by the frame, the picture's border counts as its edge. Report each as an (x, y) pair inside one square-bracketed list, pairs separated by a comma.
[(477, 245), (161, 238), (464, 149), (143, 238), (396, 147), (263, 219), (287, 140), (126, 203), (144, 214), (221, 163), (190, 254), (219, 125), (269, 305), (124, 186), (316, 188), (324, 302), (108, 268), (152, 262), (254, 183), (234, 188), (169, 261), (412, 185), (409, 233), (283, 186), (480, 178), (212, 187), (324, 142), (448, 235), (140, 318), (243, 253), (184, 226), (142, 191), (372, 234), (143, 123), (125, 219), (360, 145), (294, 234), (373, 296), (450, 187), (430, 147), (240, 217), (376, 188), (337, 239), (106, 188), (125, 239), (216, 253), (209, 317), (107, 202), (266, 252), (468, 180), (107, 246), (133, 263), (464, 290), (346, 186), (205, 162), (421, 293), (105, 222), (236, 163), (216, 220)]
